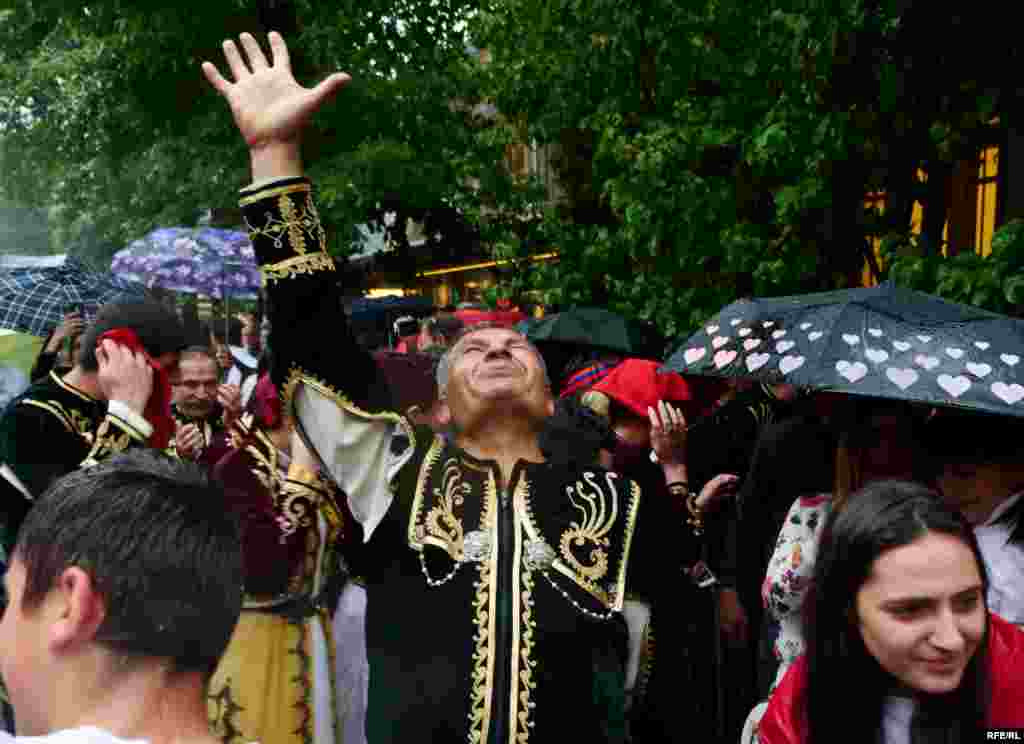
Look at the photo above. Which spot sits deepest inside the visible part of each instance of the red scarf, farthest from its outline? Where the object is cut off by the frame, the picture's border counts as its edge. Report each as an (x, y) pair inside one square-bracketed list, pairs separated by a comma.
[(158, 409)]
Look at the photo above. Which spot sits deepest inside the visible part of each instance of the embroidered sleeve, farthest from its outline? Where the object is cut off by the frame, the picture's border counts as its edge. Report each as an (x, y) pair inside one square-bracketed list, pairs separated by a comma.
[(304, 298), (360, 452)]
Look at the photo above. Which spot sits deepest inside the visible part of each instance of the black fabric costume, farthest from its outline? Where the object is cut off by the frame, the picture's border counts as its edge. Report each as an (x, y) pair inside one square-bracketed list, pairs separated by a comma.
[(493, 612), (49, 430)]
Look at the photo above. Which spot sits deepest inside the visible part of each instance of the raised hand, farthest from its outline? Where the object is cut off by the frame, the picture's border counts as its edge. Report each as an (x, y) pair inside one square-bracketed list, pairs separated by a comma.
[(269, 106), (124, 375), (668, 433)]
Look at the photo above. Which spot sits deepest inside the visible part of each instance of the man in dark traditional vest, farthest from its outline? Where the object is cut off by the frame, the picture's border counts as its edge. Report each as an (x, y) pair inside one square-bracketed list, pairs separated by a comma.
[(117, 396), (495, 578)]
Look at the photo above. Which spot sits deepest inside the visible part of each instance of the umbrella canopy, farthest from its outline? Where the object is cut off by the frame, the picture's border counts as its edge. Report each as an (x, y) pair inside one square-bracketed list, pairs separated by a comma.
[(34, 300), (207, 260), (883, 342), (593, 327)]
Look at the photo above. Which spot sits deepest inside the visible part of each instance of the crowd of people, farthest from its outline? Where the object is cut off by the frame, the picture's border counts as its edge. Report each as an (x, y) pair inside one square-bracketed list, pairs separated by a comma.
[(456, 541)]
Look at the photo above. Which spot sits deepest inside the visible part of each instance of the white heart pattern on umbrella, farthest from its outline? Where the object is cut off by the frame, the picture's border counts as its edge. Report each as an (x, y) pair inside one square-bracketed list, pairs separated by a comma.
[(876, 332), (744, 332), (924, 339), (719, 341), (983, 345), (955, 386), (851, 339), (901, 378), (711, 330), (724, 358), (1009, 394), (694, 355), (876, 355), (778, 334), (978, 370), (900, 345), (756, 361), (1010, 359), (768, 323), (814, 336), (805, 326), (751, 343), (783, 346), (789, 363), (735, 322), (928, 362), (851, 372), (954, 352)]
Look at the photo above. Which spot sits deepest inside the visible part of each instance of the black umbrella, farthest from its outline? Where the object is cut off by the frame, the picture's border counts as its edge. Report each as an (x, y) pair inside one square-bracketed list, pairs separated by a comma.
[(882, 342), (598, 328)]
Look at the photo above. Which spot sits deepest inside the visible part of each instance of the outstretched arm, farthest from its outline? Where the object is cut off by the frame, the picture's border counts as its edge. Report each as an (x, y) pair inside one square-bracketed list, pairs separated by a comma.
[(271, 111), (341, 403)]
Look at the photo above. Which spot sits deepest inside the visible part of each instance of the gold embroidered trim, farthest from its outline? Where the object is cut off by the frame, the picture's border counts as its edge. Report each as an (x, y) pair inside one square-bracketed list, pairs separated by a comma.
[(484, 611), (596, 522), (269, 193), (415, 536), (620, 582), (296, 266), (297, 223), (128, 429), (523, 665), (302, 474), (107, 442), (53, 408), (442, 525), (71, 388)]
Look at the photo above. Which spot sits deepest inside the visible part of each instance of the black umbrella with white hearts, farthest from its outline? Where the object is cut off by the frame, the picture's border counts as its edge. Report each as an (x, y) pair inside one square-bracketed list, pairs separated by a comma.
[(883, 342)]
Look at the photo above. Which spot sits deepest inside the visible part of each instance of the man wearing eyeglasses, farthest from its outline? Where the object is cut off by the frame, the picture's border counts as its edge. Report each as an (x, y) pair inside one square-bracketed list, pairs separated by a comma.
[(203, 409)]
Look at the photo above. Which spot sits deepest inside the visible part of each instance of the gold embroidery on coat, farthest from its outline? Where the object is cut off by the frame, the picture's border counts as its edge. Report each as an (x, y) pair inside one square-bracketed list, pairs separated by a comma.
[(443, 523), (483, 617), (524, 625), (296, 266), (417, 531), (597, 519)]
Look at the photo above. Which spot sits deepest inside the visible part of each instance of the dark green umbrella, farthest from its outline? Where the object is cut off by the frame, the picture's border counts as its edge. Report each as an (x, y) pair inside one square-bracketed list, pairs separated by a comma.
[(596, 328)]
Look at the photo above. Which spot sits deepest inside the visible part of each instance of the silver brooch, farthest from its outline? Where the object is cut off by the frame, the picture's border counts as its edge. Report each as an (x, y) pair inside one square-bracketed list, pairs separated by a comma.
[(476, 546), (539, 555)]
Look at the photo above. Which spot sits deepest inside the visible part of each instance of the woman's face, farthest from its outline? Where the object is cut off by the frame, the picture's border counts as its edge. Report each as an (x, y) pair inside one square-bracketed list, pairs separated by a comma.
[(921, 612)]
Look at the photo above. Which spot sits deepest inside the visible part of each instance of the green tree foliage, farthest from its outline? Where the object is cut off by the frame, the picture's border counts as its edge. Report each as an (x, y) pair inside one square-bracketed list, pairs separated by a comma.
[(106, 115), (718, 149)]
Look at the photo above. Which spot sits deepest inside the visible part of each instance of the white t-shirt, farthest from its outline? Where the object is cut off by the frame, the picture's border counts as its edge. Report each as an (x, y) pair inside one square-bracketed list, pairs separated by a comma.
[(84, 735)]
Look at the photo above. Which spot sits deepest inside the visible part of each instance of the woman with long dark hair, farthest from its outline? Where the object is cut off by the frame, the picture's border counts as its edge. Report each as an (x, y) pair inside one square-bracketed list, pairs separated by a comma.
[(901, 646)]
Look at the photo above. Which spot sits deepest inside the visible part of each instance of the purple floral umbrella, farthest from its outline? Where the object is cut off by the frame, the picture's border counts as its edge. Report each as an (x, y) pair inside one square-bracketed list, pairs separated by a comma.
[(209, 261)]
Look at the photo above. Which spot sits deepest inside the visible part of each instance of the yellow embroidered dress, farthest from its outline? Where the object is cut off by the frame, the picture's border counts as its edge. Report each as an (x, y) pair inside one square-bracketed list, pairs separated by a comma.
[(274, 683)]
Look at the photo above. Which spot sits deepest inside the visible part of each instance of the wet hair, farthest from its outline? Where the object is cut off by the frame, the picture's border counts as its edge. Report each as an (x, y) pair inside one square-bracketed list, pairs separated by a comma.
[(161, 547), (159, 330), (881, 517), (444, 364)]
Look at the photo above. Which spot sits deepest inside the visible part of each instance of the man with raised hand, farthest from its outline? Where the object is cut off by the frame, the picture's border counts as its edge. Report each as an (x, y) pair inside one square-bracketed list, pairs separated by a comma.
[(495, 579), (124, 588)]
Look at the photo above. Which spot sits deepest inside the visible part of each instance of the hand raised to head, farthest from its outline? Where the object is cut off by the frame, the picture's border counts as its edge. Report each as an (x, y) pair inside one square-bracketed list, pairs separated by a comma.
[(269, 106)]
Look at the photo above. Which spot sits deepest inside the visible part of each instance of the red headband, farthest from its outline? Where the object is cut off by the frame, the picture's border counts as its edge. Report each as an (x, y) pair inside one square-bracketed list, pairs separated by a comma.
[(158, 409)]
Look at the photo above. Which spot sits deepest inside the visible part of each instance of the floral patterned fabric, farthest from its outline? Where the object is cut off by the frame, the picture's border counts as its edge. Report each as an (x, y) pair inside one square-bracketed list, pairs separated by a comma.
[(789, 574)]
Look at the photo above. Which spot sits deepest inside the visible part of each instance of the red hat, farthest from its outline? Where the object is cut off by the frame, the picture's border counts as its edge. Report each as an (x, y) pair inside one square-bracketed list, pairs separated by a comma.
[(637, 385)]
